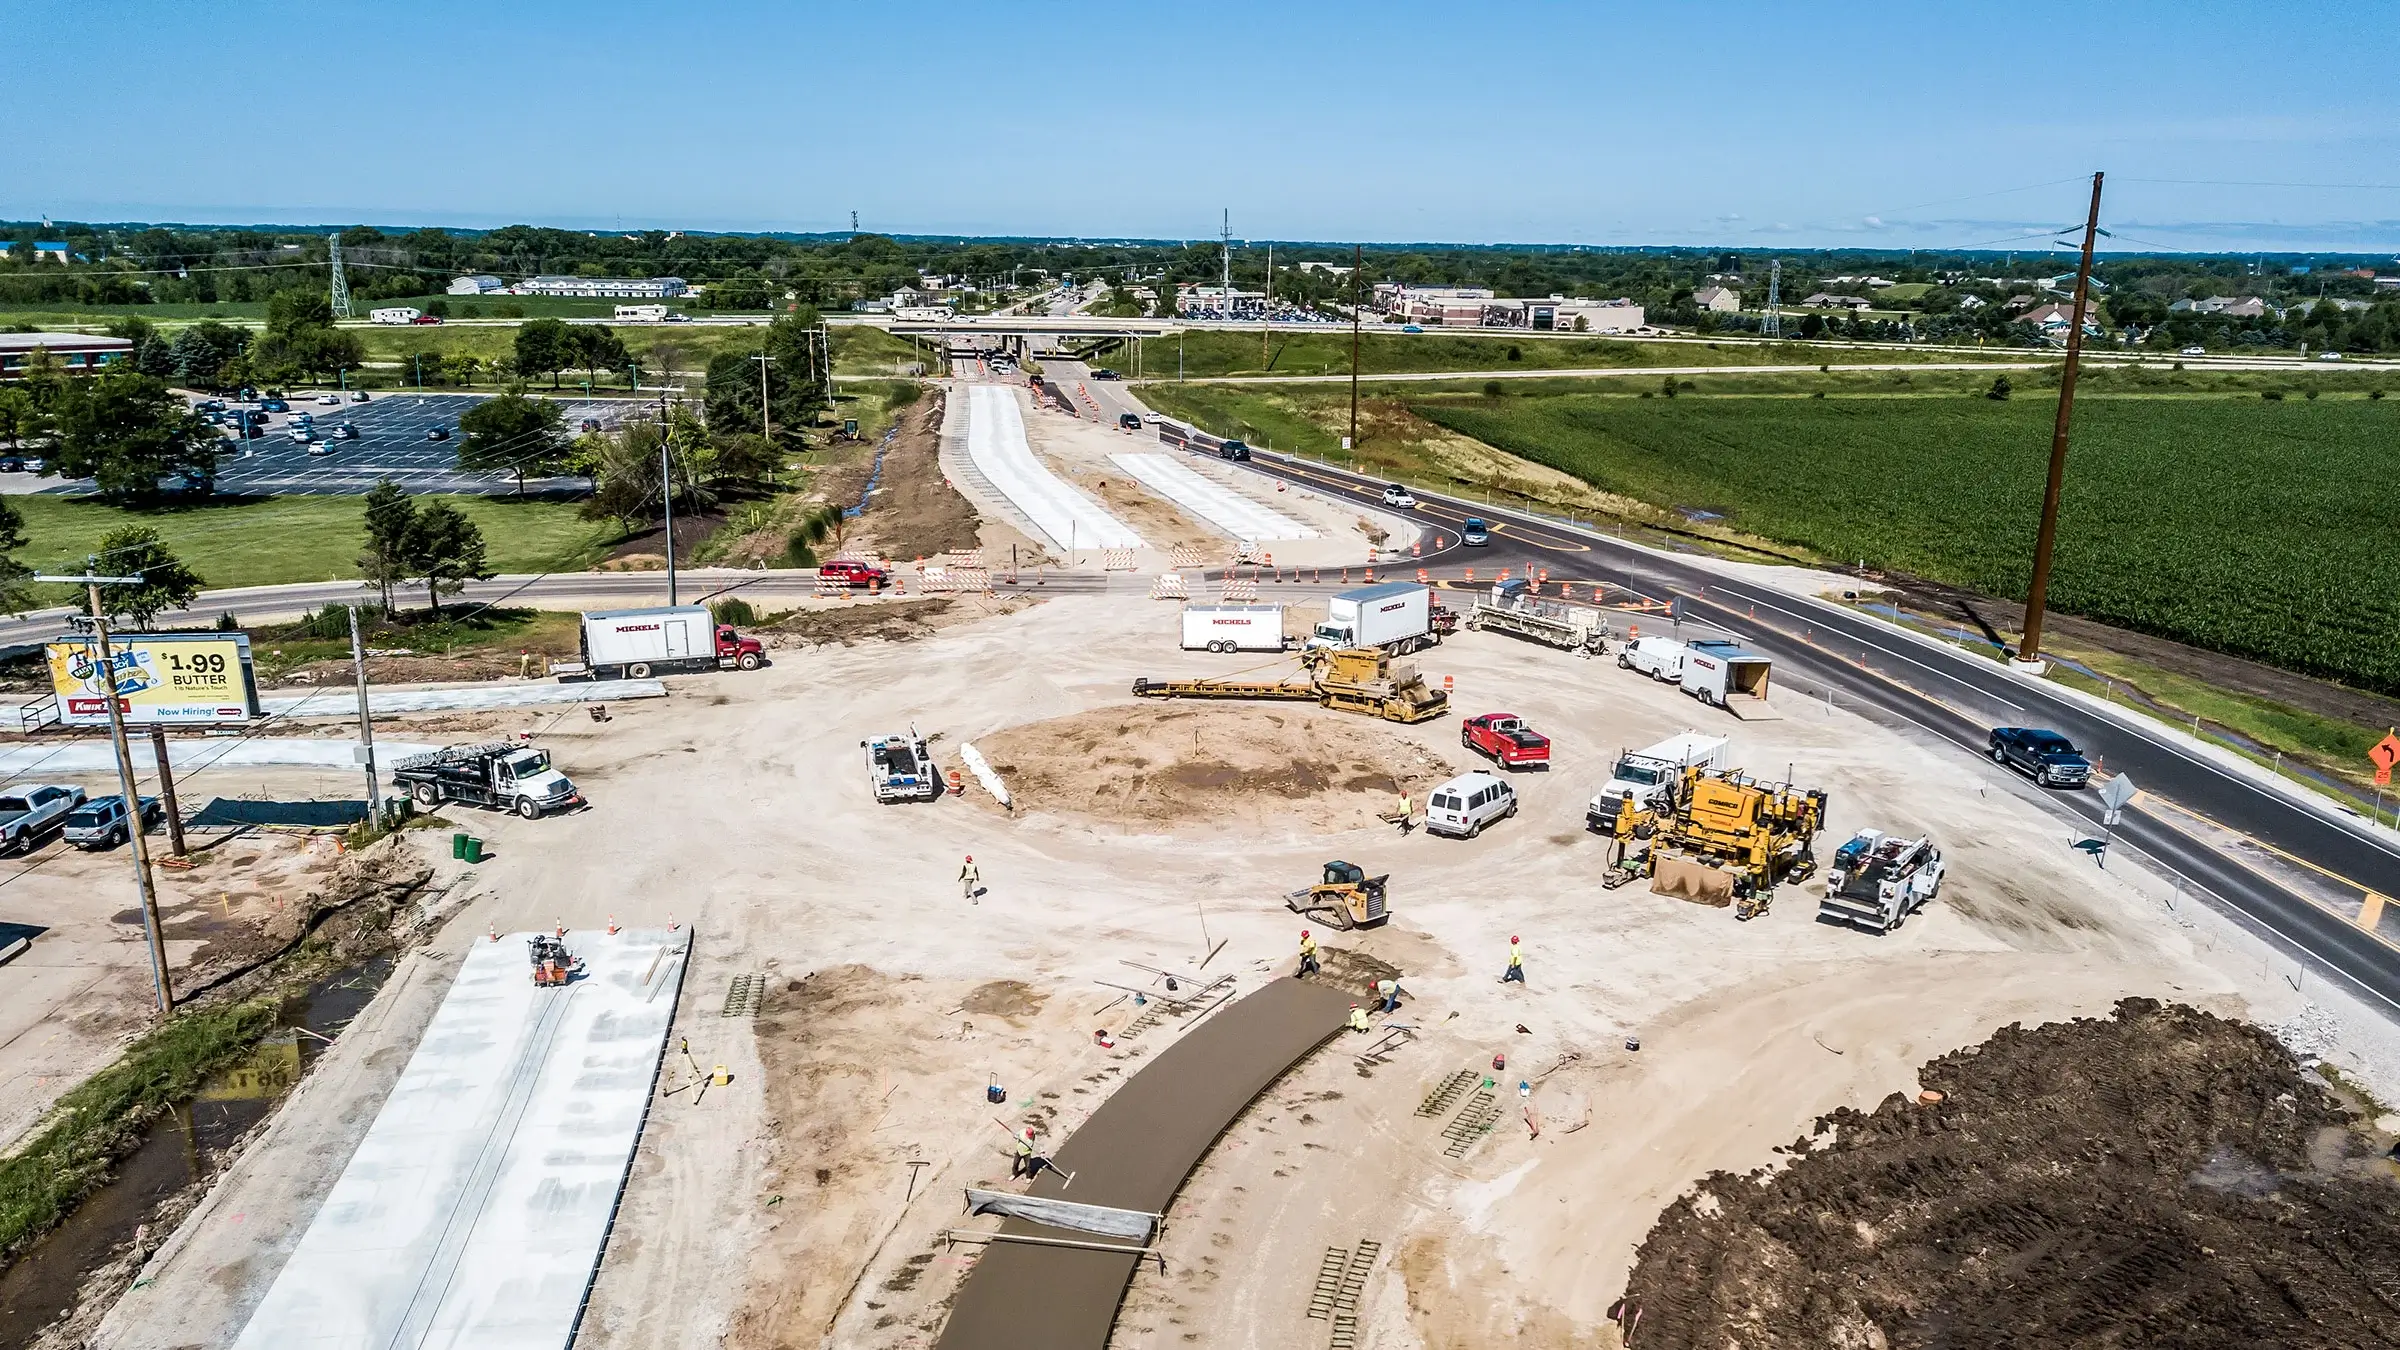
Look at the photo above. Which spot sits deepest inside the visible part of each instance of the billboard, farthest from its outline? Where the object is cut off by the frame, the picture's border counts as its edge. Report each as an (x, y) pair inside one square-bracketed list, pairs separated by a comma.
[(162, 679)]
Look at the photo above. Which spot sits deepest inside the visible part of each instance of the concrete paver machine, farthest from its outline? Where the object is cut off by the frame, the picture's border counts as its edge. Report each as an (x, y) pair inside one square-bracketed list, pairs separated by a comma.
[(1722, 838)]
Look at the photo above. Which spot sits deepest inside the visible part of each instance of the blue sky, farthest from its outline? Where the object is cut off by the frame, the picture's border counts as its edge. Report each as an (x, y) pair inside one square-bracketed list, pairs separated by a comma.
[(2221, 125)]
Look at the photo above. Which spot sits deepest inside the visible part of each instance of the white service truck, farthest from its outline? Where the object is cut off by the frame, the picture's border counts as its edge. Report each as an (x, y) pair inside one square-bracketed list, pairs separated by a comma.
[(1657, 657), (667, 640), (1233, 628), (1877, 880), (1396, 616), (1650, 775)]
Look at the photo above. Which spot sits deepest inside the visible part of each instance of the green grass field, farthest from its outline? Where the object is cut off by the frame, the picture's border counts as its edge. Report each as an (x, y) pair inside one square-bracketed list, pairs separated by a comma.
[(2257, 528), (263, 541), (1326, 351)]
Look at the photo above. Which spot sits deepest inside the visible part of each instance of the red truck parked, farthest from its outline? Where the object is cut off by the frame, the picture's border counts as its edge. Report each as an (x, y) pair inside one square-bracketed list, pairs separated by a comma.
[(854, 573), (1506, 738)]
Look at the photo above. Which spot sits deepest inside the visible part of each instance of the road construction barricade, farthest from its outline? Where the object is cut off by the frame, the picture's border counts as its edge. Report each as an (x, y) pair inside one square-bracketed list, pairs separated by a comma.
[(1116, 560), (1169, 586)]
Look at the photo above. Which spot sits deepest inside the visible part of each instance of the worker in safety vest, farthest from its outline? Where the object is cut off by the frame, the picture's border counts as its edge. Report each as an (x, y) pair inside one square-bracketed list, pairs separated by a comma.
[(1516, 961), (1358, 1018), (969, 878), (1308, 955), (1404, 813), (1022, 1164), (1389, 992)]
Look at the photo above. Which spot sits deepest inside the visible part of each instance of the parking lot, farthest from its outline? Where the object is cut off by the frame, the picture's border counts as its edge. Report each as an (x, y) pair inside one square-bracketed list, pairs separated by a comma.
[(392, 443)]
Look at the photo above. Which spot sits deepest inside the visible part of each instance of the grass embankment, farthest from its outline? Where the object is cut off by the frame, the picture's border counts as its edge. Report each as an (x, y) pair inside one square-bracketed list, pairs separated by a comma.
[(261, 541), (862, 350), (1326, 351), (463, 632), (95, 1123)]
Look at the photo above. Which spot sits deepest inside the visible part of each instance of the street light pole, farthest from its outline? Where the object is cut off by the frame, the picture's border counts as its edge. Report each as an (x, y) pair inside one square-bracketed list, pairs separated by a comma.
[(366, 725), (135, 838), (2037, 595), (666, 489), (1358, 271)]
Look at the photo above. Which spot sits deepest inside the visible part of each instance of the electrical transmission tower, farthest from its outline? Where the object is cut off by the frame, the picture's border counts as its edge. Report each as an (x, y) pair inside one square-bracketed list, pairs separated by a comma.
[(341, 284), (1772, 325)]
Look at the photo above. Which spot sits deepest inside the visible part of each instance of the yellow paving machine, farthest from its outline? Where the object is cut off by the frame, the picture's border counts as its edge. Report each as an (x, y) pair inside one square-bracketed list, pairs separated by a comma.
[(1722, 838)]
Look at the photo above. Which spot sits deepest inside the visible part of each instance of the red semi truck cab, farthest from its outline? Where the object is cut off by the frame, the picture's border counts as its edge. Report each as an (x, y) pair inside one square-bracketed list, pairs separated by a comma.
[(1506, 738), (735, 650)]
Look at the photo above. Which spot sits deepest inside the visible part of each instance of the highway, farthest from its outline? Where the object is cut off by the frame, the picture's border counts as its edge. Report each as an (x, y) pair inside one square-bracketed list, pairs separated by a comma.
[(1958, 697)]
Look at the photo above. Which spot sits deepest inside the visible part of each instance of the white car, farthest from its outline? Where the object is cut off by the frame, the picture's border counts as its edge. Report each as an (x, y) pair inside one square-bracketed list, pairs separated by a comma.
[(328, 400), (1398, 495), (2193, 351), (2329, 356), (1467, 803)]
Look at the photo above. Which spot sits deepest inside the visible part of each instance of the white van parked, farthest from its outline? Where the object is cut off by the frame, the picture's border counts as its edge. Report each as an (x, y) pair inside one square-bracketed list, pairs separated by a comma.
[(1467, 803), (1658, 658)]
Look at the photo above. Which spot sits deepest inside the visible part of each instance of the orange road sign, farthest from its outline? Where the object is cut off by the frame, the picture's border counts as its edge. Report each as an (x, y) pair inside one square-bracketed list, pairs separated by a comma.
[(2384, 754)]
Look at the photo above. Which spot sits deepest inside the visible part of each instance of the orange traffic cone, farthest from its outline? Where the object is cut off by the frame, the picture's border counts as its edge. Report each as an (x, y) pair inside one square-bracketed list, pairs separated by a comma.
[(495, 932), (612, 925)]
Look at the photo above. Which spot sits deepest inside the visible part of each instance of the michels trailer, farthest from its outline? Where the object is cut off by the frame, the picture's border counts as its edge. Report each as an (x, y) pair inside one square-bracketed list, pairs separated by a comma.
[(668, 640)]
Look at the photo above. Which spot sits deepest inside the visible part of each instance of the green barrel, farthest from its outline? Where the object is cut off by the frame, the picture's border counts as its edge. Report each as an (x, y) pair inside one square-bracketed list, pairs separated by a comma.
[(474, 848)]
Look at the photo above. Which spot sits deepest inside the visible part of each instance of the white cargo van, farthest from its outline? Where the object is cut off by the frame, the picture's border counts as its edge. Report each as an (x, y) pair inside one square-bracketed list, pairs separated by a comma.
[(1650, 774), (1658, 658), (1233, 628), (1467, 803)]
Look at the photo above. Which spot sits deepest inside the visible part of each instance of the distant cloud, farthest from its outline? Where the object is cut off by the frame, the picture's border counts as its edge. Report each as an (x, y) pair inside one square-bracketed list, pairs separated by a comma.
[(1872, 222)]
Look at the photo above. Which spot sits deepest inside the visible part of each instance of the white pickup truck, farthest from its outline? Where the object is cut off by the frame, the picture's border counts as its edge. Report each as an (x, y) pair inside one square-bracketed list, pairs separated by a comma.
[(32, 811)]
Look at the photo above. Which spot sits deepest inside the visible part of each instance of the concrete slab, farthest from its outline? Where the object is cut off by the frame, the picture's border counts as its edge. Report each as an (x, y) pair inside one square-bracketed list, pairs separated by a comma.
[(1212, 501), (996, 443), (342, 700), (72, 758), (473, 1214)]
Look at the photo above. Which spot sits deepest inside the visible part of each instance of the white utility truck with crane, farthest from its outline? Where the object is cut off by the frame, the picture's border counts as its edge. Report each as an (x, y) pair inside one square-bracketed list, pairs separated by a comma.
[(1877, 880)]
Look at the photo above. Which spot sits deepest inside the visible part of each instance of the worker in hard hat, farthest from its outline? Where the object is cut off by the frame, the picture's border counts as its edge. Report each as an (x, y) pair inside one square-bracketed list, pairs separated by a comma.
[(1358, 1018), (1389, 992), (1516, 961), (970, 878), (1308, 956), (1030, 1161)]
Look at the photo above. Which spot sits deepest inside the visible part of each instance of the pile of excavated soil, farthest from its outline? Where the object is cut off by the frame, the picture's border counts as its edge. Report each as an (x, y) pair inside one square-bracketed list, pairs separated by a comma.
[(887, 620), (2161, 1177), (1170, 767), (915, 512)]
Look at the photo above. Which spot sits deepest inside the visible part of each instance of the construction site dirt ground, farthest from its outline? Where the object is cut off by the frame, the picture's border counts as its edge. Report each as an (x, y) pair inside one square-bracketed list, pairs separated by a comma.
[(799, 1205)]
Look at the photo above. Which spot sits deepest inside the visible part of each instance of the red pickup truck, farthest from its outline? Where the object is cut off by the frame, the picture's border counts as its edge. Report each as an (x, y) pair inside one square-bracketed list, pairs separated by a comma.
[(853, 572), (1506, 738)]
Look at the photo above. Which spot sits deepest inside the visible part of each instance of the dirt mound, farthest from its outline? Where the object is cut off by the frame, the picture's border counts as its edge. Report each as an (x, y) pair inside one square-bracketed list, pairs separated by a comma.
[(887, 620), (2161, 1177), (1173, 766)]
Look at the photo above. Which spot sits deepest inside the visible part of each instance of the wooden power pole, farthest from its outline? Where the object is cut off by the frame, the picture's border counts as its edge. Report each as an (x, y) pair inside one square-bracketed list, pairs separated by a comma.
[(2038, 594), (1357, 277)]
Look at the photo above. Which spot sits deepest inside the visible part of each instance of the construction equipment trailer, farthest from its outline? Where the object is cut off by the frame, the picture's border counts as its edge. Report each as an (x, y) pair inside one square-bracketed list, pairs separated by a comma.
[(1351, 679), (1877, 880), (1514, 609), (900, 769)]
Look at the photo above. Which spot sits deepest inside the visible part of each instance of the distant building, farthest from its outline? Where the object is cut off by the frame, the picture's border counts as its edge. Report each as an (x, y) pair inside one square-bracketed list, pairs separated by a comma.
[(2052, 318), (1971, 302), (43, 249), (77, 353), (1718, 300), (1215, 302), (1821, 300), (604, 288), (479, 284), (2245, 307), (1324, 267)]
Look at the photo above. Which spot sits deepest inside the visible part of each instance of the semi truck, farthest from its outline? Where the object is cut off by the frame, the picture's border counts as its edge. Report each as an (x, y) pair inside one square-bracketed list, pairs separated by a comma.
[(1724, 675), (1233, 628), (1396, 617), (1649, 775), (504, 775), (668, 640)]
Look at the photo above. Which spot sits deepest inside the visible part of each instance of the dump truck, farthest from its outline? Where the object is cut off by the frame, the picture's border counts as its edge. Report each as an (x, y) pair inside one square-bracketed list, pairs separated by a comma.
[(1346, 898), (1353, 679), (1724, 675), (1877, 880), (1233, 628), (504, 775), (900, 769), (1513, 608), (1396, 616), (665, 640), (1723, 838)]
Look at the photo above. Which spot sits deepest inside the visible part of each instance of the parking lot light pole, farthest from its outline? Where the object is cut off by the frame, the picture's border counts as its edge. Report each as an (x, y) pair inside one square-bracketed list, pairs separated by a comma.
[(91, 581)]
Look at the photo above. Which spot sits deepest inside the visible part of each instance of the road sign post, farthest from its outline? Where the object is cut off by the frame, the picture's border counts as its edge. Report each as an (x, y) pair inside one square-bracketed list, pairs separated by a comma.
[(2114, 795)]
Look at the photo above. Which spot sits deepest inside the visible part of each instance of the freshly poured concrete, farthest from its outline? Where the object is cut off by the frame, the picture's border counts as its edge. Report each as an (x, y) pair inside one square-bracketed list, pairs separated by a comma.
[(474, 1211)]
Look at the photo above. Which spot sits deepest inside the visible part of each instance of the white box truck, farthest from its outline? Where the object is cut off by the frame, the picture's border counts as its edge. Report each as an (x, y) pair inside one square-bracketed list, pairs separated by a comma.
[(1233, 628), (1650, 774), (1724, 675), (668, 640), (1396, 616)]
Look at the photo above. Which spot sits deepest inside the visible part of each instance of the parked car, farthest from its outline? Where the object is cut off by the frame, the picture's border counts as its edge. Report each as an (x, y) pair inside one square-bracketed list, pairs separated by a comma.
[(100, 822), (1232, 450), (273, 405), (2042, 755), (427, 318), (1130, 421), (851, 572), (1397, 494), (438, 434), (588, 424), (30, 812), (1467, 803), (1506, 739), (301, 434), (36, 464), (347, 431), (358, 396), (12, 464), (1473, 533), (209, 405), (2193, 351), (328, 400), (316, 447)]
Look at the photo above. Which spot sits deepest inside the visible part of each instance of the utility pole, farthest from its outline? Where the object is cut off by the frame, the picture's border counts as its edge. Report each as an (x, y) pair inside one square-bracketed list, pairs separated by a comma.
[(1266, 306), (666, 489), (766, 423), (166, 788), (366, 729), (139, 842), (1358, 273), (2037, 596), (1225, 251)]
